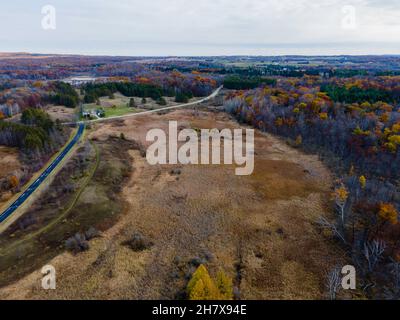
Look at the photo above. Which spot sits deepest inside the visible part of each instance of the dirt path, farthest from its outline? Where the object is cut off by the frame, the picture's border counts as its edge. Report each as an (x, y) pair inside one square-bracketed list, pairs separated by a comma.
[(260, 229)]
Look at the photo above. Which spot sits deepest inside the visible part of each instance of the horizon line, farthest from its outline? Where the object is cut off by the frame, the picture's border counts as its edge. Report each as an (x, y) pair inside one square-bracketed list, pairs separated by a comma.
[(197, 56)]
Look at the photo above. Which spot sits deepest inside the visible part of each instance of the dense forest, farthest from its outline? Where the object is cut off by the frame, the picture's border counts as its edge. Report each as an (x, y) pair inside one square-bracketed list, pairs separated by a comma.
[(175, 84), (36, 134), (37, 138), (354, 125), (94, 91), (244, 83), (63, 94)]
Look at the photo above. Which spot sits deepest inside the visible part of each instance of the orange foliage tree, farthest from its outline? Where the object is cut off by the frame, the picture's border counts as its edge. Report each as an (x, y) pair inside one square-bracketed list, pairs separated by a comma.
[(14, 182)]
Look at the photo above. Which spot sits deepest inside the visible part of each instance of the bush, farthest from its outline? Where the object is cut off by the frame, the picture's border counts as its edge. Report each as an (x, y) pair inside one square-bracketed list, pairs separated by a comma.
[(161, 101), (92, 233), (139, 243), (77, 243), (181, 98)]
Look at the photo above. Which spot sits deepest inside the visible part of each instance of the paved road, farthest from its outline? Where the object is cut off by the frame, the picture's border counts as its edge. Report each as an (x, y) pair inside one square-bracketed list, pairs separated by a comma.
[(32, 188)]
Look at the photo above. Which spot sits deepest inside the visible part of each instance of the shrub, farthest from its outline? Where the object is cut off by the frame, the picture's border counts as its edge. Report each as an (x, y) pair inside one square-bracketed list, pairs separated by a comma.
[(139, 243), (77, 243), (161, 101), (92, 233), (181, 98)]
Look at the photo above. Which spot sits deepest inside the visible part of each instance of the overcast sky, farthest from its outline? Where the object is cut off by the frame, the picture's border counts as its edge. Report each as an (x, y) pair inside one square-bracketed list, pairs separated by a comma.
[(203, 27)]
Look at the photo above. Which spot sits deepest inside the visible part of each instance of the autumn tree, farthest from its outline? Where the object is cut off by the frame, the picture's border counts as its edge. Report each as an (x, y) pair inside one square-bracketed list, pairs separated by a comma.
[(299, 141), (14, 182), (340, 196), (363, 182), (225, 286), (202, 287), (388, 213)]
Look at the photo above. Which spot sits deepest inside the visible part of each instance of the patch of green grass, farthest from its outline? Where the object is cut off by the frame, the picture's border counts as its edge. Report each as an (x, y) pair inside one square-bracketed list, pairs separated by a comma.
[(111, 111), (119, 111)]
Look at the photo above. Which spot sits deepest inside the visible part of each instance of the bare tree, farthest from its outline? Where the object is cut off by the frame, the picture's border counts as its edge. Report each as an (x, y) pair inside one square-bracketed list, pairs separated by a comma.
[(373, 252), (324, 223), (334, 282)]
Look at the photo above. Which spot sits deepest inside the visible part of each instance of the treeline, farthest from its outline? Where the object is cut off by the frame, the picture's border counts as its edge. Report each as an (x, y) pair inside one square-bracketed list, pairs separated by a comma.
[(94, 91), (356, 94), (22, 136), (64, 94), (245, 83), (36, 133), (361, 142)]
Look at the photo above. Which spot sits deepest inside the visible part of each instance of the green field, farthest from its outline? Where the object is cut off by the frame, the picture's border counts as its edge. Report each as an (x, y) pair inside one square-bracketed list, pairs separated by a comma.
[(112, 111), (119, 111), (112, 107)]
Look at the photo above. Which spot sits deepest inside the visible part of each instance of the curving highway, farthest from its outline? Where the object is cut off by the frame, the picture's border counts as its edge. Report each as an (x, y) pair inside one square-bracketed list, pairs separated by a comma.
[(32, 188)]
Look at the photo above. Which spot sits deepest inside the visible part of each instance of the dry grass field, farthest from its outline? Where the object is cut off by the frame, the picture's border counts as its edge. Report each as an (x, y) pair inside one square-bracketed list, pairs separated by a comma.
[(9, 162), (61, 113), (260, 229)]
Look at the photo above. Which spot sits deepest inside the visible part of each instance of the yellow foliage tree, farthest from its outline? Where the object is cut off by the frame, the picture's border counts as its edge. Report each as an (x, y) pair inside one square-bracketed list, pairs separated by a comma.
[(323, 116), (279, 122), (341, 195), (303, 105), (388, 212), (395, 139), (299, 140), (198, 291), (391, 147), (205, 289), (359, 132), (366, 105), (225, 286), (197, 275), (396, 128), (202, 287), (363, 182)]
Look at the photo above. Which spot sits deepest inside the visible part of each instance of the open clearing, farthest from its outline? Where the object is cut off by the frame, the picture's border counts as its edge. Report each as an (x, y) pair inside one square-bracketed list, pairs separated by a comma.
[(260, 229), (61, 113)]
